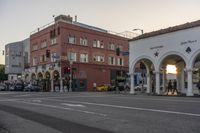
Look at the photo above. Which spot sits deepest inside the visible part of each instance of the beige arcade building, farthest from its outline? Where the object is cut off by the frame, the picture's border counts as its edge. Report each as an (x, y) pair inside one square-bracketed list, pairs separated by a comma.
[(175, 49)]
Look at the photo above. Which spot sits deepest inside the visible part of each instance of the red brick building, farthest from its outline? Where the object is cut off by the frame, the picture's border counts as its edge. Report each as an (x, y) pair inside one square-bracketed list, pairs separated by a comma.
[(91, 50)]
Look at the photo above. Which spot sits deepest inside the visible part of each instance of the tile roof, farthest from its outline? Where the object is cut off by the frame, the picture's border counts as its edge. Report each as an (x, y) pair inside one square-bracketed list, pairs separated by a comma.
[(168, 30)]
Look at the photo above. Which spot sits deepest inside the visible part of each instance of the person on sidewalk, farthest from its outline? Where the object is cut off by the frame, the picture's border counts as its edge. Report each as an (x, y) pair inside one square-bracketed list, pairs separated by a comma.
[(175, 87), (169, 87)]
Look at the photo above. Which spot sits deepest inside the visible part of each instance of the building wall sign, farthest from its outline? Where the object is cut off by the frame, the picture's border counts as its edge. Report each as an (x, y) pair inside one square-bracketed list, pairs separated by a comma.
[(188, 42), (157, 47)]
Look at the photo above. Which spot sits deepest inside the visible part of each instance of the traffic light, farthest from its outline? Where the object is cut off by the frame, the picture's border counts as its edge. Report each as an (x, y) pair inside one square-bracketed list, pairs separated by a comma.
[(47, 53), (118, 51), (68, 70)]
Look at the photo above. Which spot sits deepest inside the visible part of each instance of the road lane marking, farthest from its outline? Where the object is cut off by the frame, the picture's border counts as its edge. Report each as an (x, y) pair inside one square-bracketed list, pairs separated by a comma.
[(73, 105), (125, 97), (58, 107), (24, 95), (156, 99), (134, 108), (37, 100), (5, 100)]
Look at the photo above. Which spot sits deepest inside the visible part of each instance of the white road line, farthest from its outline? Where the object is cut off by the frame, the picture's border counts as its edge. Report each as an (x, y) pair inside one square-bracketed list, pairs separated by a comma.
[(133, 108), (64, 108), (156, 99), (73, 105), (24, 95), (5, 100), (125, 97), (5, 93), (37, 100)]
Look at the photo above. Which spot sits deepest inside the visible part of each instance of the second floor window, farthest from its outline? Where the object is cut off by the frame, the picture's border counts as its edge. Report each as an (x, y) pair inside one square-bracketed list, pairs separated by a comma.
[(35, 61), (98, 58), (54, 57), (111, 46), (72, 56), (35, 47), (72, 39), (83, 57), (120, 62), (43, 58), (111, 60), (43, 44)]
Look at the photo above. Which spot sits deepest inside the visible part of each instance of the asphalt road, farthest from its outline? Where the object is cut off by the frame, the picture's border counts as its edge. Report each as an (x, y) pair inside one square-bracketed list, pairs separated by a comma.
[(87, 112)]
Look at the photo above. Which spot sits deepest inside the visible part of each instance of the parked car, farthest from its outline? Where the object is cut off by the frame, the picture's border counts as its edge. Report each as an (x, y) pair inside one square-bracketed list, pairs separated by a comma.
[(2, 87), (32, 87), (102, 88), (11, 87), (18, 87)]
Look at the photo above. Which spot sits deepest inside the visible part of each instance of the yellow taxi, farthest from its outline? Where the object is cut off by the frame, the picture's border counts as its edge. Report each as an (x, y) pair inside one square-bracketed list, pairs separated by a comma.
[(102, 88)]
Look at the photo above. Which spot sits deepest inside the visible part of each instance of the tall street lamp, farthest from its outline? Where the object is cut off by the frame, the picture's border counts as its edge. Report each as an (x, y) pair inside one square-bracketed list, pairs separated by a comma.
[(142, 31)]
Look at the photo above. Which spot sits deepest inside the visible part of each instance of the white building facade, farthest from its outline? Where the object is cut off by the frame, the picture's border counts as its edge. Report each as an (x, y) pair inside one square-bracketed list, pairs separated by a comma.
[(179, 46)]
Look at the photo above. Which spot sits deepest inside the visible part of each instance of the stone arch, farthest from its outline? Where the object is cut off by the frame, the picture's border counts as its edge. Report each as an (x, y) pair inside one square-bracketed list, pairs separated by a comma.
[(193, 59), (55, 74), (26, 77), (160, 61), (40, 75), (143, 75), (33, 76), (47, 75), (132, 68), (180, 61)]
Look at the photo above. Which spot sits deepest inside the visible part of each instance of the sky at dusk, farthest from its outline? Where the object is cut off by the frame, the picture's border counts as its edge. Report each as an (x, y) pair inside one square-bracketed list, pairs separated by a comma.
[(19, 17)]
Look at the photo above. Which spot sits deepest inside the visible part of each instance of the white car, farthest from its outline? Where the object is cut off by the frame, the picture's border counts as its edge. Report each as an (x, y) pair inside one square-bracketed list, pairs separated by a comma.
[(2, 87)]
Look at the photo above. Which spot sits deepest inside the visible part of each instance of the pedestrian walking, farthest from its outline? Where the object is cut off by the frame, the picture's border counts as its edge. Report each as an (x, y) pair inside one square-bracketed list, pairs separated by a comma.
[(175, 86), (94, 86), (169, 87)]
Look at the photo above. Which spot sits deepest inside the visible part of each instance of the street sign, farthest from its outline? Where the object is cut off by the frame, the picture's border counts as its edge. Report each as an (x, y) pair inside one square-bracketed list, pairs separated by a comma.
[(125, 53)]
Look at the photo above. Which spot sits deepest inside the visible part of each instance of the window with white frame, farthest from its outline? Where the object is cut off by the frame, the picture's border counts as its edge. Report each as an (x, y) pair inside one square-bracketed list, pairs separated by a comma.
[(84, 57), (98, 44), (111, 60), (54, 57), (43, 58), (83, 41), (98, 58), (111, 46), (35, 61), (43, 44), (72, 39), (95, 43), (72, 56), (120, 61), (35, 47), (53, 41)]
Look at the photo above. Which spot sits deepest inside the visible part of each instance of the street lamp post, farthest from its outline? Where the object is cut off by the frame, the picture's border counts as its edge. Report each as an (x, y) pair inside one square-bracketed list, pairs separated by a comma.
[(142, 31)]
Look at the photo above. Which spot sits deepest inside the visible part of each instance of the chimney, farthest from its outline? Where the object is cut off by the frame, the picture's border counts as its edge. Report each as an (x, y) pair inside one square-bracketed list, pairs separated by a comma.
[(75, 18)]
